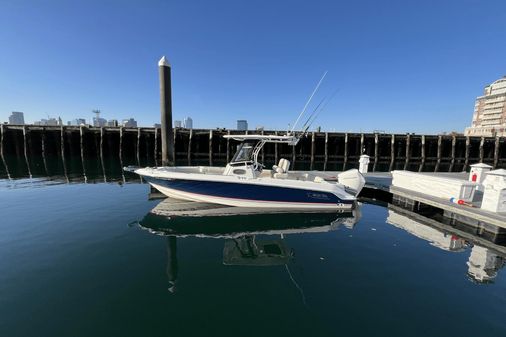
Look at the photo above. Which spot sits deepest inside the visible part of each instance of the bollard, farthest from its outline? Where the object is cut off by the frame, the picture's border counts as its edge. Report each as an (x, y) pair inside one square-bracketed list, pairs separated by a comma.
[(363, 163)]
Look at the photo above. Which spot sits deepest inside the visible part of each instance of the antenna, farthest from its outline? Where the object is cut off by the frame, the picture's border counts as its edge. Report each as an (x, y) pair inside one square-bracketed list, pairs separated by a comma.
[(308, 101)]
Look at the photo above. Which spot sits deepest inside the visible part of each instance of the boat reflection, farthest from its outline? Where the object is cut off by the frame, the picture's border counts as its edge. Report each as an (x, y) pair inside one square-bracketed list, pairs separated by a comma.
[(239, 227), (185, 218), (485, 259)]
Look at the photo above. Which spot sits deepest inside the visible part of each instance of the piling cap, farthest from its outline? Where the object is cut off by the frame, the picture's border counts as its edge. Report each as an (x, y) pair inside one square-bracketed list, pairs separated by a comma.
[(163, 62), (481, 165)]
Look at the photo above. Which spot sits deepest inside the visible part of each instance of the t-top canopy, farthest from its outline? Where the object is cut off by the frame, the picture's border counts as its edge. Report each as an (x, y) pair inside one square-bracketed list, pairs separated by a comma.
[(290, 140)]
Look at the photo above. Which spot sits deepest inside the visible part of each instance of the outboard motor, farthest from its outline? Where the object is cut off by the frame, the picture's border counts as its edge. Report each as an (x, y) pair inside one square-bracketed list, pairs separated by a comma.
[(353, 180)]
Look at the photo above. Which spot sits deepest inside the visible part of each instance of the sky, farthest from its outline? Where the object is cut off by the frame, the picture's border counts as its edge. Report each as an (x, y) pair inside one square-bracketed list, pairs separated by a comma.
[(397, 66)]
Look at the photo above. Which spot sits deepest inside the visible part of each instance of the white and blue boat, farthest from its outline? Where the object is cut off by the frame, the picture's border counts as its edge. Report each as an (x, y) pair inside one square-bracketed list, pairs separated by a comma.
[(245, 182)]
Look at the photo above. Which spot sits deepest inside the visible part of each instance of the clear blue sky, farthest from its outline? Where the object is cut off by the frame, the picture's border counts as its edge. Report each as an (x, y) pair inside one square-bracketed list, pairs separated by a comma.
[(400, 66)]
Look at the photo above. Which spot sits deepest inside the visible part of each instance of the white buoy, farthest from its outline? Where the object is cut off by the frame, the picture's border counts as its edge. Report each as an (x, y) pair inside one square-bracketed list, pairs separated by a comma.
[(363, 163)]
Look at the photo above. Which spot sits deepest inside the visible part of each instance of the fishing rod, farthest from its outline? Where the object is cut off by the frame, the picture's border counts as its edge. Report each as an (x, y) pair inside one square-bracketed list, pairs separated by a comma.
[(313, 117), (308, 101), (322, 108)]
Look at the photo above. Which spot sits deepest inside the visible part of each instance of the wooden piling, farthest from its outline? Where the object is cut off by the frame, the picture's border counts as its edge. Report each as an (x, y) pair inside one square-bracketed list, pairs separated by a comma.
[(326, 151), (102, 152), (2, 150), (312, 150), (293, 156), (62, 146), (345, 161), (376, 151), (43, 150), (392, 152), (454, 143), (174, 147), (408, 151), (81, 146), (262, 150), (228, 147), (496, 151), (482, 153), (137, 147), (439, 143), (25, 148), (210, 147), (466, 159), (121, 144), (164, 72), (276, 159), (155, 154), (189, 154), (362, 148), (422, 162)]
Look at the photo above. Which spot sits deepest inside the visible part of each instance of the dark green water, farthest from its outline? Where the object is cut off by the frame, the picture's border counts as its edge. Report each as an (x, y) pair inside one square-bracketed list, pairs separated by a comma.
[(74, 262)]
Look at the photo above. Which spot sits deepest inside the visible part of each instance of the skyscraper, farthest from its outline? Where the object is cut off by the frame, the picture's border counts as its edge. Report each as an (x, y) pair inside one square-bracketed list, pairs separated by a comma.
[(188, 123), (489, 118), (177, 124), (242, 125), (17, 118)]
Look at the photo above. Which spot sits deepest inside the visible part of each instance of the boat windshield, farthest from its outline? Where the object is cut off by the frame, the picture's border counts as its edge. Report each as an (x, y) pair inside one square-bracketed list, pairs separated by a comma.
[(244, 152)]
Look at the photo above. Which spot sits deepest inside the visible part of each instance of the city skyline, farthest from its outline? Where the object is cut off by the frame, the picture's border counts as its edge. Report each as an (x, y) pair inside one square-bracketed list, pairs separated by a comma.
[(402, 70)]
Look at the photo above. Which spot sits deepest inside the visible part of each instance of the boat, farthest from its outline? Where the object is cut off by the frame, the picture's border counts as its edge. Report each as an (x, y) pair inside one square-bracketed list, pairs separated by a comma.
[(245, 182)]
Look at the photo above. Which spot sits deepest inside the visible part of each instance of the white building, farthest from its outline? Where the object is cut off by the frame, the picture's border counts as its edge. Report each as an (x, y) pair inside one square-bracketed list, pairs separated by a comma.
[(242, 125), (17, 118), (50, 122), (489, 118), (77, 121), (112, 122), (178, 124), (129, 123), (188, 123)]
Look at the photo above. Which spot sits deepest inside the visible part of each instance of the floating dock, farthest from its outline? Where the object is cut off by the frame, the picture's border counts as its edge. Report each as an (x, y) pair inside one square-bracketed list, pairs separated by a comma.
[(379, 188)]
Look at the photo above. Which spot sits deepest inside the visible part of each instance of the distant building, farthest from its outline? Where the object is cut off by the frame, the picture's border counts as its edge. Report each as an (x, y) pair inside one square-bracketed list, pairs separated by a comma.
[(112, 122), (489, 118), (178, 124), (260, 128), (129, 123), (17, 118), (157, 125), (242, 125), (77, 121), (49, 122), (188, 123), (99, 122)]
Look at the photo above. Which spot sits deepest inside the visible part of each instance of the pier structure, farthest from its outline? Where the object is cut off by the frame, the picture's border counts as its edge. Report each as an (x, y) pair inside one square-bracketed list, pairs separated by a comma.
[(317, 151)]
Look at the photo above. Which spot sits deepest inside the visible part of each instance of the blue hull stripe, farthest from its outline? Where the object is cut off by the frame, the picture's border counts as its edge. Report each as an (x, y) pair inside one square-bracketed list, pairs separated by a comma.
[(249, 191)]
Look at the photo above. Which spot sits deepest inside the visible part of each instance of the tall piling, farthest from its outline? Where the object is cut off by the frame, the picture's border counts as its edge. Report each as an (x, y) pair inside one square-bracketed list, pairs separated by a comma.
[(167, 134)]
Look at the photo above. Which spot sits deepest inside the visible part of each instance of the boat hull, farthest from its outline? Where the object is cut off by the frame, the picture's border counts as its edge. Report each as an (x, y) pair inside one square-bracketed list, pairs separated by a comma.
[(249, 195)]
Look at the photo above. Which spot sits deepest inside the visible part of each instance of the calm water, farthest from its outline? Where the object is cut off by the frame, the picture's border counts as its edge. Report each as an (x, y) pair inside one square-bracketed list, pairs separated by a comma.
[(91, 260)]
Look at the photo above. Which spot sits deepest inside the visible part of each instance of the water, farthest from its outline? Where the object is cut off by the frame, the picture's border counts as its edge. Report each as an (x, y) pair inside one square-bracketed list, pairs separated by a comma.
[(90, 260)]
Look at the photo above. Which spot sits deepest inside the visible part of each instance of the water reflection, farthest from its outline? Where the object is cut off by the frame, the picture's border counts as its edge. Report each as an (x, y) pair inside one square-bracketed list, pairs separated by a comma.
[(240, 228), (485, 258)]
